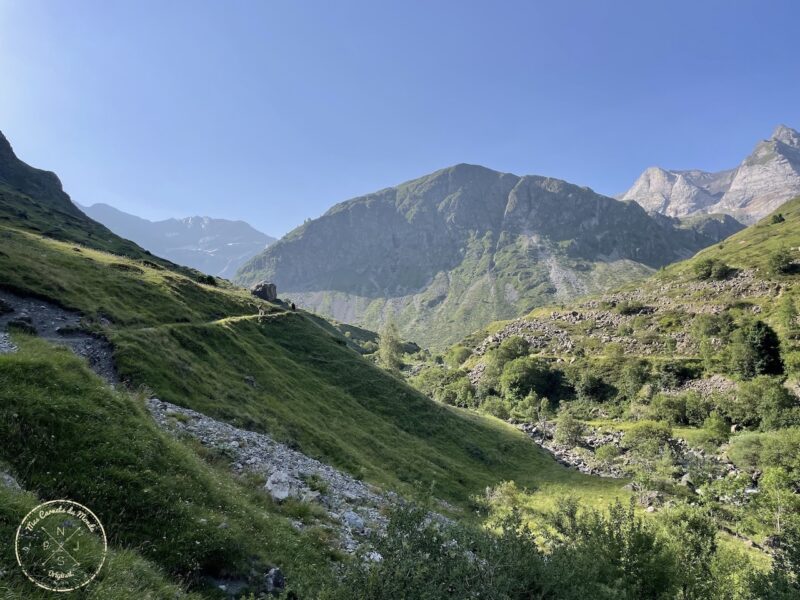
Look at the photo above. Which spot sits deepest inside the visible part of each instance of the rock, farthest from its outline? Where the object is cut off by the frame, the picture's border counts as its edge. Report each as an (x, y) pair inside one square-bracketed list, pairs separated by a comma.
[(278, 486), (686, 480), (274, 581), (353, 520), (251, 381), (265, 290), (8, 481), (650, 509)]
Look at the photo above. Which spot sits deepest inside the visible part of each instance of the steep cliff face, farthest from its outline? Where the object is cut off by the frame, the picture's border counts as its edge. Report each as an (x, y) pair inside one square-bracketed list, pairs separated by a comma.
[(17, 176), (449, 252), (767, 178)]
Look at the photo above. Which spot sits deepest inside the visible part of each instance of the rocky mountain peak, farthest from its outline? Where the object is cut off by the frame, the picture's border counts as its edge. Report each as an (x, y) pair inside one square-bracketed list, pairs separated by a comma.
[(787, 135), (765, 179)]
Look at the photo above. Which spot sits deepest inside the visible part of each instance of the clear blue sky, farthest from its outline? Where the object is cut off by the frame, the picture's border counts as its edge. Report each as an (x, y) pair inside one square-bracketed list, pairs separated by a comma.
[(273, 110)]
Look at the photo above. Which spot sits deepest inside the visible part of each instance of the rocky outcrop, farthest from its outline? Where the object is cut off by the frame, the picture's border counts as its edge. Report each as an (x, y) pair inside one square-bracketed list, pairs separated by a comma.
[(582, 456), (766, 179), (6, 480), (354, 507), (59, 326), (265, 290)]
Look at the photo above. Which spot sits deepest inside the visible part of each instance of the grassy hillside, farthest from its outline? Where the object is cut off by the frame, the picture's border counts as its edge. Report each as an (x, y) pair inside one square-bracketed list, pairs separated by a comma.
[(203, 346), (689, 382), (67, 435)]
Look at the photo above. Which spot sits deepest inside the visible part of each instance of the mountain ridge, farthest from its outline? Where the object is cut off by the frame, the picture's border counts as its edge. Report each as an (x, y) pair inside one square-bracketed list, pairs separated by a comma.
[(765, 179), (466, 245), (211, 245)]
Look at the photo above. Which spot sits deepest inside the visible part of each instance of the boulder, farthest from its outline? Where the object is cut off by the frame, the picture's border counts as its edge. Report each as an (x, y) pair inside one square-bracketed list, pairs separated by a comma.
[(279, 485), (8, 481), (353, 520), (274, 581), (265, 290)]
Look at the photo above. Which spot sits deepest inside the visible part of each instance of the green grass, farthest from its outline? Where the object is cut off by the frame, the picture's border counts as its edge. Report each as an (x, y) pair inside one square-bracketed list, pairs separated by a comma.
[(67, 435), (195, 345)]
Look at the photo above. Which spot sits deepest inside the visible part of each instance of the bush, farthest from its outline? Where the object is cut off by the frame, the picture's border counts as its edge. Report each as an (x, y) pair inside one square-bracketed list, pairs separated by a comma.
[(712, 269), (456, 356), (762, 402), (568, 429), (779, 262), (497, 407), (511, 348), (755, 350), (716, 428), (698, 407), (778, 218), (753, 451), (528, 409), (458, 393), (670, 408), (607, 454), (524, 375), (647, 438), (631, 307)]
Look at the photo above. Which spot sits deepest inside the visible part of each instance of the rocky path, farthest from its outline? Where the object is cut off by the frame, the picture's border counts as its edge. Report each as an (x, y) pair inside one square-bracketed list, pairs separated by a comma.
[(56, 325)]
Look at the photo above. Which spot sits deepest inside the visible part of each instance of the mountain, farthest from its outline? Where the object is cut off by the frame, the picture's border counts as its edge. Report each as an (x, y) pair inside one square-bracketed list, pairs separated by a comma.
[(760, 184), (447, 253), (279, 394), (214, 246), (34, 199)]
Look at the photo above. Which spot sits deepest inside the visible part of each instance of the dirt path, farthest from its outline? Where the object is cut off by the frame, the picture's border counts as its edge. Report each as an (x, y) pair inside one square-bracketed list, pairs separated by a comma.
[(59, 326)]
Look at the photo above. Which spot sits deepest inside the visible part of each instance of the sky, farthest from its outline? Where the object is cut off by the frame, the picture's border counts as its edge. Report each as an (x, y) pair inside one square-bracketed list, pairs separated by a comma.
[(271, 111)]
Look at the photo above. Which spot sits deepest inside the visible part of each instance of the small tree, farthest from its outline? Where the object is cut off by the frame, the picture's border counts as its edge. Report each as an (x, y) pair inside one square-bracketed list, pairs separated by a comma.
[(780, 261), (390, 349), (568, 430), (777, 498), (756, 350), (716, 427)]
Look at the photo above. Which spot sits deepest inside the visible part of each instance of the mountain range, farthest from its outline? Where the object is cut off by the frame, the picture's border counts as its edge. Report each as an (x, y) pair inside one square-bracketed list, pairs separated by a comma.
[(446, 253), (764, 180), (214, 246)]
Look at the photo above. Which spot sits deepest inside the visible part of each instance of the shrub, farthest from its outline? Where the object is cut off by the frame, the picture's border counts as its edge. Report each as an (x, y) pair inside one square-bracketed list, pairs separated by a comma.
[(762, 402), (497, 407), (528, 409), (781, 448), (607, 454), (456, 356), (568, 429), (524, 375), (698, 407), (779, 262), (778, 218), (755, 350), (670, 408), (716, 428), (712, 269), (631, 307), (647, 438), (512, 347)]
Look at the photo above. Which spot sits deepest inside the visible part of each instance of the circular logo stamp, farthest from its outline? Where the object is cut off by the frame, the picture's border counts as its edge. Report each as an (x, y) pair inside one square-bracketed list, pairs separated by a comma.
[(61, 545)]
